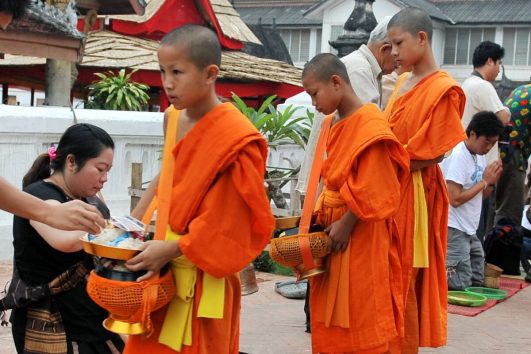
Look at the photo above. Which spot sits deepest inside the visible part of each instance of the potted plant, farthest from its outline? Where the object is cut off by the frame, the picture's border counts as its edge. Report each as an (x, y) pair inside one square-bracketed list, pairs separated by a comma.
[(117, 92)]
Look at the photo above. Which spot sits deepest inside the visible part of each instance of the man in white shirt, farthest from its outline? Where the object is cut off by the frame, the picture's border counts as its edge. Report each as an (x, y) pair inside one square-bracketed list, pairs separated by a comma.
[(479, 91), (481, 96), (366, 65), (469, 180)]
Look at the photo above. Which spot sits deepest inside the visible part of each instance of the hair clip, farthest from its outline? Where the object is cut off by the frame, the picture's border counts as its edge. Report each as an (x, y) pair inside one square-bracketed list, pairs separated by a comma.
[(52, 152)]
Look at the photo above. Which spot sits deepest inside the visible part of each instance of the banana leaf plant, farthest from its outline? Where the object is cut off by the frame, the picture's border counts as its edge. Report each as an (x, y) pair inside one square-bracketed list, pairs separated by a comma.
[(116, 91), (278, 128)]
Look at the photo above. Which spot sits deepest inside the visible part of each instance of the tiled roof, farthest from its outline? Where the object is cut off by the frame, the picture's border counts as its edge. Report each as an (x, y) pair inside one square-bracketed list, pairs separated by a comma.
[(486, 11), (288, 12), (289, 15), (429, 7)]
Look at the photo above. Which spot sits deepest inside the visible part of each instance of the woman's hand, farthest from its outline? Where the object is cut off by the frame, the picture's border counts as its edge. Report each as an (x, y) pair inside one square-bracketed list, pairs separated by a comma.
[(154, 256), (340, 231), (74, 215)]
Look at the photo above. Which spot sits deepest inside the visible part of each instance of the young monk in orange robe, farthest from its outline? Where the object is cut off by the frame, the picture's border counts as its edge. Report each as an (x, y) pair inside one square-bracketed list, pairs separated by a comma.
[(424, 113), (356, 306), (218, 204)]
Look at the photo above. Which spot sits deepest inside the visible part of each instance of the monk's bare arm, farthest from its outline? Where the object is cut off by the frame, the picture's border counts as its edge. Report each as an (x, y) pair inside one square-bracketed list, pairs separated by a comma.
[(420, 164), (340, 232)]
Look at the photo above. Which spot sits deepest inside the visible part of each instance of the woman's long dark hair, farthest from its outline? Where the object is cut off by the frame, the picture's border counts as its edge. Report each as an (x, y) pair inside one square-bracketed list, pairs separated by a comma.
[(84, 141)]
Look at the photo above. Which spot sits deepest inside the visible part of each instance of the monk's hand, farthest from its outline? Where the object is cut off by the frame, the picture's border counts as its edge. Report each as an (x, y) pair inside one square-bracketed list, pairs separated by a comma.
[(340, 231), (75, 215), (155, 255)]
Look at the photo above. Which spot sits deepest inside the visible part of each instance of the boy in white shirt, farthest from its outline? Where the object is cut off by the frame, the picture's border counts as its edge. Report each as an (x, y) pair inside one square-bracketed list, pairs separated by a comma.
[(469, 180)]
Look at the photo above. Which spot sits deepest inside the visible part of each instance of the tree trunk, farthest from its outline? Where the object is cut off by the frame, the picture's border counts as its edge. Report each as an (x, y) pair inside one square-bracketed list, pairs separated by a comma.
[(275, 191)]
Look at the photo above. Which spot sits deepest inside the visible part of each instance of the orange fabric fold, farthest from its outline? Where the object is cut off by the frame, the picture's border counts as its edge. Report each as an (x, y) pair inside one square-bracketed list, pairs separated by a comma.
[(427, 121), (218, 203), (357, 304)]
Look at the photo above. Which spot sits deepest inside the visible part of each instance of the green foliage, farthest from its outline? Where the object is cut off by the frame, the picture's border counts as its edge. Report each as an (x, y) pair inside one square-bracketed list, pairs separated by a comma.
[(117, 92), (277, 127), (306, 127), (264, 263)]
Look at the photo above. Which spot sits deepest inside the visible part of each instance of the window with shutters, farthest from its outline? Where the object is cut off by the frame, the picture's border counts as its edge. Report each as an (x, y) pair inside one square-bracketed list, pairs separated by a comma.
[(517, 44), (335, 31), (298, 43), (460, 44)]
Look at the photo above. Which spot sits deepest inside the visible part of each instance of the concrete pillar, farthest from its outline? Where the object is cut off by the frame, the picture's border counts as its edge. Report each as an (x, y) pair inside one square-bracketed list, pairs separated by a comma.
[(58, 82)]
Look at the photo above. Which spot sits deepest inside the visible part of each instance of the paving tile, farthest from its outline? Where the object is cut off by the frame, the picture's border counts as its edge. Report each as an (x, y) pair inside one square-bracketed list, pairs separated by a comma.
[(272, 324)]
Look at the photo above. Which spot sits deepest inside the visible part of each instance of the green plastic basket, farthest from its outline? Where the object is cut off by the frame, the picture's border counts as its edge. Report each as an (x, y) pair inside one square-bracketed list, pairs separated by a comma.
[(465, 298), (489, 293)]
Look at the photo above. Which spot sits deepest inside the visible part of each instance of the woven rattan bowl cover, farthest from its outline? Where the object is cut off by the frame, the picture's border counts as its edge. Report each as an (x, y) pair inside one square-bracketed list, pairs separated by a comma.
[(286, 250), (125, 299)]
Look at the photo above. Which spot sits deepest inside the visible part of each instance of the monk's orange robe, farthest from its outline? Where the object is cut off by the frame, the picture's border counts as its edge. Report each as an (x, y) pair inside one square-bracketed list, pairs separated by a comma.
[(427, 121), (219, 204), (356, 306)]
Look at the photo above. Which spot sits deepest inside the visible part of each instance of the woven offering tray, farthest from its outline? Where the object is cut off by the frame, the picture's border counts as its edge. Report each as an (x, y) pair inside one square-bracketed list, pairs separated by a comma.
[(108, 251), (465, 298), (121, 239), (488, 292)]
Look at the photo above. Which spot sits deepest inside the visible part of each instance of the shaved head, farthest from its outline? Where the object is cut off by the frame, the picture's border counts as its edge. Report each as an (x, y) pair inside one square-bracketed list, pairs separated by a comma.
[(200, 44), (412, 20), (323, 66)]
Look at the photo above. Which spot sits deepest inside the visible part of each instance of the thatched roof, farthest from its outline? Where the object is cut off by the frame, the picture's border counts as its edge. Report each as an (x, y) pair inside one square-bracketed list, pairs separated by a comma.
[(110, 50), (229, 20)]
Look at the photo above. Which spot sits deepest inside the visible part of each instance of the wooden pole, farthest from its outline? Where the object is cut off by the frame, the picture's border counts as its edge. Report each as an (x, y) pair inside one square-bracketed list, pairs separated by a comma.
[(5, 89), (136, 183)]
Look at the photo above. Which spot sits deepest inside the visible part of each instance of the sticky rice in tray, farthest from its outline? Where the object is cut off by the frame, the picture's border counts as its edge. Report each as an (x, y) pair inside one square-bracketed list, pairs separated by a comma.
[(113, 243)]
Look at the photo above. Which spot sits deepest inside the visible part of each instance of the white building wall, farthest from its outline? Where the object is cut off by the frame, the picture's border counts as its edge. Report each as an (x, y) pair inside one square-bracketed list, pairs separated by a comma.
[(336, 14), (437, 42), (384, 8)]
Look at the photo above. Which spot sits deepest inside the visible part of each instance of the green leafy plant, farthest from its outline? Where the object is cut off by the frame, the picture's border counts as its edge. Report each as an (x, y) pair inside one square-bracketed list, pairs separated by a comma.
[(117, 92), (277, 127), (264, 263), (305, 128)]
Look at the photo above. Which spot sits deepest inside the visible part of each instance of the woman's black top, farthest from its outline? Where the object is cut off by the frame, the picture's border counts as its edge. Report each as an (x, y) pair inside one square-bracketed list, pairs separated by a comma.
[(39, 263)]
